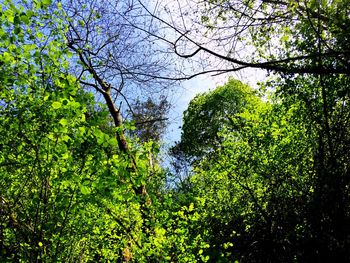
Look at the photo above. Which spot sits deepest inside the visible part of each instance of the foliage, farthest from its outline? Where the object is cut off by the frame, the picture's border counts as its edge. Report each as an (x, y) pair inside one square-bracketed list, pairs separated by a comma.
[(260, 178), (275, 186), (207, 115), (325, 105), (68, 192), (267, 179), (281, 36), (261, 169)]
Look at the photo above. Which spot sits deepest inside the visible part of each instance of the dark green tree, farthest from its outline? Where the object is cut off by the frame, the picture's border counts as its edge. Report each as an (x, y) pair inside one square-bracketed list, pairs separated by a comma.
[(275, 186), (257, 184)]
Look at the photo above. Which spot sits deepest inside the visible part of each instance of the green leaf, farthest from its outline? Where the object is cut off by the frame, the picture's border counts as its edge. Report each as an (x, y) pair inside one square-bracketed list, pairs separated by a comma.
[(46, 2), (56, 105), (25, 19), (9, 15), (63, 122), (85, 190)]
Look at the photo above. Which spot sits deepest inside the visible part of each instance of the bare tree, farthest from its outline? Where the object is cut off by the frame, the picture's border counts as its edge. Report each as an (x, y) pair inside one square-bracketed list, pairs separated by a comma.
[(116, 59), (120, 54)]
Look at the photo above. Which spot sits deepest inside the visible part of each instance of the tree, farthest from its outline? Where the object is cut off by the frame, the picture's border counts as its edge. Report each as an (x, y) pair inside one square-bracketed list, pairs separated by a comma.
[(325, 104), (209, 113), (287, 37), (150, 119), (304, 42), (68, 190), (115, 57), (257, 184), (51, 156), (269, 180), (274, 183)]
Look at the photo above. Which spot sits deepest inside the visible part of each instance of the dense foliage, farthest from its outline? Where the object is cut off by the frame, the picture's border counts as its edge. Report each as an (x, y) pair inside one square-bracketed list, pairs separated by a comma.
[(208, 114), (267, 171), (275, 183), (68, 192)]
